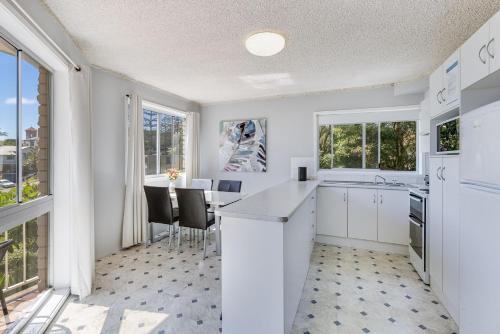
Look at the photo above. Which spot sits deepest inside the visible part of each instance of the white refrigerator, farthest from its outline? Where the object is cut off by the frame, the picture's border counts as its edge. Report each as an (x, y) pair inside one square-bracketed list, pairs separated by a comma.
[(480, 221)]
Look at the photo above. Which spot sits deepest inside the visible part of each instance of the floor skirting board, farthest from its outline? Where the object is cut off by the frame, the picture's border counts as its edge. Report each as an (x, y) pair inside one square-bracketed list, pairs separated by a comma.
[(365, 244)]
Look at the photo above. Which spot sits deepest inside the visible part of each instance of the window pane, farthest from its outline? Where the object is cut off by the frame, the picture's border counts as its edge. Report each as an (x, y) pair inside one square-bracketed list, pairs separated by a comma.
[(166, 141), (371, 148), (27, 257), (32, 248), (178, 151), (347, 146), (8, 128), (35, 134), (398, 146), (150, 124), (325, 147), (15, 255)]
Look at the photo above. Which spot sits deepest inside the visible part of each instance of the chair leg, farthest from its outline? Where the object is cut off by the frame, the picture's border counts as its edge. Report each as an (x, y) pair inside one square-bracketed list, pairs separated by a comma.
[(169, 236), (179, 240), (204, 244), (4, 305), (151, 233)]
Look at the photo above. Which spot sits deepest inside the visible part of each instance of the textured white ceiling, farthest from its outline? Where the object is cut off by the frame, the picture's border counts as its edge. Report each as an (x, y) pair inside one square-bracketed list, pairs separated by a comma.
[(196, 48)]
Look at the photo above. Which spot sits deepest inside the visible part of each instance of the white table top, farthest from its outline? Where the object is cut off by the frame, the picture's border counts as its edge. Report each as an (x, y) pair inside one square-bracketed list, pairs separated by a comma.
[(218, 198)]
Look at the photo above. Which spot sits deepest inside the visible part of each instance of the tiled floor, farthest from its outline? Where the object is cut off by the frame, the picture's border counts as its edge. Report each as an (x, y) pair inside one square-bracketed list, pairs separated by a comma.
[(152, 290), (17, 305), (359, 291)]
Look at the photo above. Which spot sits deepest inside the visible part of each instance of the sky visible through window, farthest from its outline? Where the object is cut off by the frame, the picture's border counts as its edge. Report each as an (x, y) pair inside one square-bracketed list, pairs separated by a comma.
[(8, 96)]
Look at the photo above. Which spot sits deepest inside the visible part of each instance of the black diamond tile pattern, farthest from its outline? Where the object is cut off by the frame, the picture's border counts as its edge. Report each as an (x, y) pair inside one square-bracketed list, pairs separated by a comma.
[(378, 293), (347, 291)]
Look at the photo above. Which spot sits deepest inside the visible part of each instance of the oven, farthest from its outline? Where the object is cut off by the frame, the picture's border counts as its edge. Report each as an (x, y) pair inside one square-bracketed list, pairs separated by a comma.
[(418, 233), (417, 206), (417, 238)]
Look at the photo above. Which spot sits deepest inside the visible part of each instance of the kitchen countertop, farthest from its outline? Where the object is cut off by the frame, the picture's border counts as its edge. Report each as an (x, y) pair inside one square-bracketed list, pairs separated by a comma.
[(276, 204), (353, 184)]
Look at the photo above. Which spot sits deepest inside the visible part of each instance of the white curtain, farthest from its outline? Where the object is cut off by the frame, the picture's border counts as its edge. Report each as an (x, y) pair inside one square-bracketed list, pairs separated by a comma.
[(134, 214), (81, 184), (193, 146)]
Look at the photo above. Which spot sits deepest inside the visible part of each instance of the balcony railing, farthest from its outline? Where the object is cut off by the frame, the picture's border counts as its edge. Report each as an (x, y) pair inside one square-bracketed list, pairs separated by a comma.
[(19, 268)]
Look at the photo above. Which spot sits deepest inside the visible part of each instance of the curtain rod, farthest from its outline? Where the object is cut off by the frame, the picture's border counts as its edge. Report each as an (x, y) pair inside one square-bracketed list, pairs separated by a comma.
[(44, 34)]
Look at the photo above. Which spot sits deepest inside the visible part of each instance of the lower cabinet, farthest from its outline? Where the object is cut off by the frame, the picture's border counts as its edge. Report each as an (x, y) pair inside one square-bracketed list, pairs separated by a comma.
[(332, 211), (393, 209), (362, 213)]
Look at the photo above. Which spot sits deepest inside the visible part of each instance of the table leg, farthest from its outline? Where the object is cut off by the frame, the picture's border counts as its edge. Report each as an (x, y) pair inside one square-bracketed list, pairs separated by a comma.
[(217, 235)]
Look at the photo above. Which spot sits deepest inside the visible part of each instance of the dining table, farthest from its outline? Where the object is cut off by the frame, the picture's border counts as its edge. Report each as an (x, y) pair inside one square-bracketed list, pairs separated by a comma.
[(216, 199)]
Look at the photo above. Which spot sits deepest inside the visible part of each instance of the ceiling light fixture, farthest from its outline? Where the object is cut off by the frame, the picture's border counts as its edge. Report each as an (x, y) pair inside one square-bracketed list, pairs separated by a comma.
[(265, 44)]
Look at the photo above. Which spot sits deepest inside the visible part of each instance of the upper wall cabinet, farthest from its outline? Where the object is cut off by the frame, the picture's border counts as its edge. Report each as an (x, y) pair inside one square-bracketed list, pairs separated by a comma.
[(444, 84), (478, 52)]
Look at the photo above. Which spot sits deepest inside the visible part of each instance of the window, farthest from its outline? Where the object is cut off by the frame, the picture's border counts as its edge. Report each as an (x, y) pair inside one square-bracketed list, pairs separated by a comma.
[(24, 127), (163, 139), (376, 145)]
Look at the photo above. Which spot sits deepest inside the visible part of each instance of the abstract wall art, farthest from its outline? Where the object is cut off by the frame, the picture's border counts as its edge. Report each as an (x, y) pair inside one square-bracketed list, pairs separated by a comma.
[(242, 145)]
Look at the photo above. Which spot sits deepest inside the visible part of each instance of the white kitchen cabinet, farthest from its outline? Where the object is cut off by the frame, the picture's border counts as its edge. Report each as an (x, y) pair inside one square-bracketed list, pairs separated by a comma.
[(444, 230), (435, 90), (435, 205), (444, 86), (393, 208), (362, 213), (494, 43), (451, 234), (451, 81), (478, 52), (332, 211), (313, 212)]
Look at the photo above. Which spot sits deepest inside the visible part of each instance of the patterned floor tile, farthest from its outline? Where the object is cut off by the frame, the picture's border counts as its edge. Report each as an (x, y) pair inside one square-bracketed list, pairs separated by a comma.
[(155, 290)]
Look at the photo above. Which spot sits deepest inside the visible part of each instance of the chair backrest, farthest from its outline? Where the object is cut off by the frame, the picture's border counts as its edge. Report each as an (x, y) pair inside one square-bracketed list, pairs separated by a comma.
[(232, 186), (192, 208), (159, 205), (205, 184), (4, 247)]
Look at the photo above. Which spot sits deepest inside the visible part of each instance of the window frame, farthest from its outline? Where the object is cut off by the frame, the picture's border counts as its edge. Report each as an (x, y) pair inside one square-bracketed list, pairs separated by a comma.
[(409, 113), (13, 212), (160, 109)]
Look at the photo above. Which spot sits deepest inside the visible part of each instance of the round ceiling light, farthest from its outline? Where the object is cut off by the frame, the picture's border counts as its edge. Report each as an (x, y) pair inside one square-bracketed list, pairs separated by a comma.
[(265, 44)]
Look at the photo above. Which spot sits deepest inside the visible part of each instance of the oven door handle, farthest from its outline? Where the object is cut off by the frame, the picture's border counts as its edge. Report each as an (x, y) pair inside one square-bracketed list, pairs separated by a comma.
[(416, 198), (413, 221)]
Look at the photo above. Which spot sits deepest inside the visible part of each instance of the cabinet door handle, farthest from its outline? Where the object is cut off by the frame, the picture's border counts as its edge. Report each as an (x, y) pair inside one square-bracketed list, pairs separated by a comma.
[(437, 97), (490, 53), (381, 199), (437, 173), (374, 198), (479, 54), (442, 173), (345, 197), (442, 96)]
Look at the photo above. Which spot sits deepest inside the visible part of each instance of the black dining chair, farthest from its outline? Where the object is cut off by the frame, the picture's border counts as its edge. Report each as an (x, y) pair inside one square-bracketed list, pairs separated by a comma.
[(193, 213), (232, 186), (160, 210), (4, 247)]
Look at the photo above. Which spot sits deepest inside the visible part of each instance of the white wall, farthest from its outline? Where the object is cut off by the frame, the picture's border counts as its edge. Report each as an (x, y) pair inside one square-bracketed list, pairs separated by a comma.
[(108, 94), (289, 128)]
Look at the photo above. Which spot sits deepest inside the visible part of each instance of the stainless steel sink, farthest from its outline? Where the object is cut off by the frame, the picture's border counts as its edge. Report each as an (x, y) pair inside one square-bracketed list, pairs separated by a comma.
[(366, 183)]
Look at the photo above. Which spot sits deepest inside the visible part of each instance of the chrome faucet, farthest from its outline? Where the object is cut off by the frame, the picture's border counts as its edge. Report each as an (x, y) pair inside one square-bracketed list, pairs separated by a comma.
[(378, 176)]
